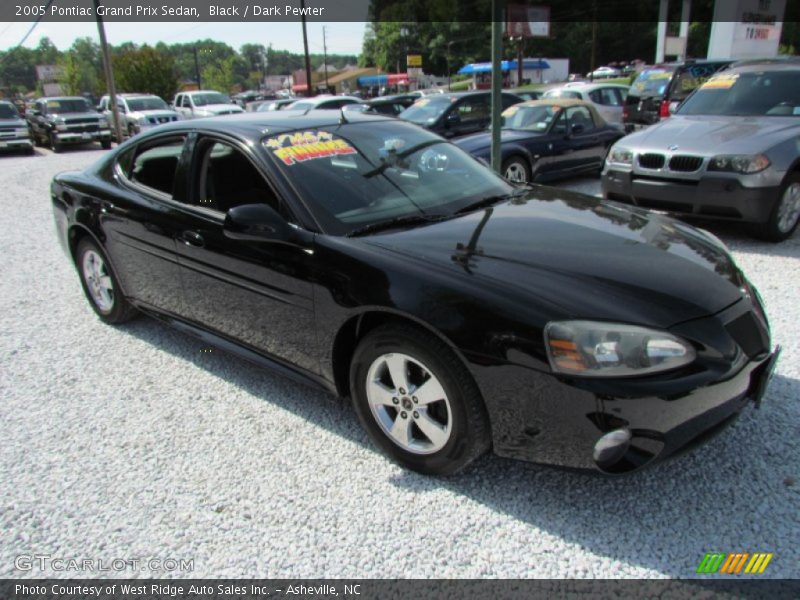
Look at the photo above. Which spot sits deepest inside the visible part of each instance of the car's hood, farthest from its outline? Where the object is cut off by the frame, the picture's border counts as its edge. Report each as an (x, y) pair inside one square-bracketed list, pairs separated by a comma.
[(156, 113), (582, 258), (69, 116), (13, 123), (708, 134), (479, 141), (219, 108)]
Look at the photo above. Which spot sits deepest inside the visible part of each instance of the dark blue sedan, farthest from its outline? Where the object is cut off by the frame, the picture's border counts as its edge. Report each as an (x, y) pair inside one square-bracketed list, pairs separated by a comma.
[(543, 140)]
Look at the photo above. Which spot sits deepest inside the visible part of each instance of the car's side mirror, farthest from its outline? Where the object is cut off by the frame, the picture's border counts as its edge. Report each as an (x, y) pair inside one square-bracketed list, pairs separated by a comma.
[(577, 129), (257, 223), (453, 118)]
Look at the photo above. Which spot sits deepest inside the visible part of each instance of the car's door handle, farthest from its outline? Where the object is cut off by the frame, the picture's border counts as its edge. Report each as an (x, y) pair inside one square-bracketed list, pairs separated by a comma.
[(192, 238)]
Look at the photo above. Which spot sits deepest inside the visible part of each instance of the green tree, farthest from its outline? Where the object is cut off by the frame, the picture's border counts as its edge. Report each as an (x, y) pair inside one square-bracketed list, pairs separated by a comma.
[(145, 70), (220, 75)]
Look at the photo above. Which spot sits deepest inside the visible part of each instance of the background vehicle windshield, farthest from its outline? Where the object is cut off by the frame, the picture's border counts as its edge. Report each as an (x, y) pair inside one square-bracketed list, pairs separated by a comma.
[(8, 111), (359, 174), (775, 93), (652, 82), (148, 103), (68, 105), (530, 118), (207, 98), (426, 110), (562, 94), (300, 106)]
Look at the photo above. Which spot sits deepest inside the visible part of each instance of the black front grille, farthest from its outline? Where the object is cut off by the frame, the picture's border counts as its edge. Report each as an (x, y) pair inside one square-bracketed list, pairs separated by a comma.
[(651, 161), (749, 332), (687, 164), (81, 120), (79, 128)]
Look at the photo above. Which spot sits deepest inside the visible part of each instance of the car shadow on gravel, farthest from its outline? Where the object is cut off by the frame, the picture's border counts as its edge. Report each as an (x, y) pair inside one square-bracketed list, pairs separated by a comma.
[(663, 518)]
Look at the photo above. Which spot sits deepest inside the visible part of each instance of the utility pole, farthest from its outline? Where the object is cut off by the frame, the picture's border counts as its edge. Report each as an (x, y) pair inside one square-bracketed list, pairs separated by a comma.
[(109, 71), (592, 65), (197, 69), (497, 80), (305, 48), (325, 57), (520, 60)]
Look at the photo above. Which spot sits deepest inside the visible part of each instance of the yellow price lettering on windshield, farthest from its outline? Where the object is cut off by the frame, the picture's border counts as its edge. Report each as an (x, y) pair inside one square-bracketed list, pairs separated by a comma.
[(721, 82), (291, 155)]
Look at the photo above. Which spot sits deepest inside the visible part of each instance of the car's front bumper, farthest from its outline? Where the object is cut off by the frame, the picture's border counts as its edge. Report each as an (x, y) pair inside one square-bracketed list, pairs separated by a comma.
[(545, 420), (710, 197), (16, 143), (67, 137)]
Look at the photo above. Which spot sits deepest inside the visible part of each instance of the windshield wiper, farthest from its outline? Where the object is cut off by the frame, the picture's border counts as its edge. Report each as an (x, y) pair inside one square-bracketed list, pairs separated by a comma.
[(382, 167), (489, 201), (400, 221)]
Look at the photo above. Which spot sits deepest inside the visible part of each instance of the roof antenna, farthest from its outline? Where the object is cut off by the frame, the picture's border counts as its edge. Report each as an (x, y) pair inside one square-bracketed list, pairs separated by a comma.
[(342, 119)]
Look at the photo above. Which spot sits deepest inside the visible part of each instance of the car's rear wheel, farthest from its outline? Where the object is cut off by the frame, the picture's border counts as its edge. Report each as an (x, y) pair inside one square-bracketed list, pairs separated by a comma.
[(417, 400), (516, 170), (100, 284), (785, 214)]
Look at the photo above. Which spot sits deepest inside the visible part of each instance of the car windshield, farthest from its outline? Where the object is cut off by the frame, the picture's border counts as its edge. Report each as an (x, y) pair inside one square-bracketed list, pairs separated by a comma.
[(8, 111), (146, 103), (206, 98), (764, 93), (652, 82), (68, 105), (358, 175), (530, 118), (299, 105), (426, 110), (562, 94), (690, 78)]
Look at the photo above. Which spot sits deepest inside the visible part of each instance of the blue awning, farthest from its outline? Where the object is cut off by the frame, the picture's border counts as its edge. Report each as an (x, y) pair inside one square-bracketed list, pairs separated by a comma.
[(506, 65), (370, 80)]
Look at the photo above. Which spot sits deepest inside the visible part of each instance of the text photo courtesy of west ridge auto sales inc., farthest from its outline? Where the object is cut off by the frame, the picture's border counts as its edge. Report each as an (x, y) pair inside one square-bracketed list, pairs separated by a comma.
[(388, 298)]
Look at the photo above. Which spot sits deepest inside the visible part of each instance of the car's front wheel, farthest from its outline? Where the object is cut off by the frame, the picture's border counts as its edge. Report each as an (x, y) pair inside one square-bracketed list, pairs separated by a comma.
[(100, 284), (516, 170), (417, 400), (785, 214)]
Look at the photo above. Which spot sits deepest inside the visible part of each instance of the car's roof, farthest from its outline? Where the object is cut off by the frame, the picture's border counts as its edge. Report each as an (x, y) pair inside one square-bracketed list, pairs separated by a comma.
[(325, 97), (201, 92), (62, 98), (249, 124), (565, 103), (764, 65), (392, 98)]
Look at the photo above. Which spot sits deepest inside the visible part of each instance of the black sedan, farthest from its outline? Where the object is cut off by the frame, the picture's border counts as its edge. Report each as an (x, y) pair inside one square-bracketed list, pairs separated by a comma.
[(544, 140), (374, 259)]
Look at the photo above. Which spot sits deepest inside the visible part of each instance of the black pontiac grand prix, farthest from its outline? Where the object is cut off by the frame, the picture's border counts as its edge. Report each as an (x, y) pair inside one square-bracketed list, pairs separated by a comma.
[(459, 312)]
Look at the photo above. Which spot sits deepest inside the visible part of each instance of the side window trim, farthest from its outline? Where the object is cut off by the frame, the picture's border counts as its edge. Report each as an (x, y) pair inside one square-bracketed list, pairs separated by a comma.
[(180, 171)]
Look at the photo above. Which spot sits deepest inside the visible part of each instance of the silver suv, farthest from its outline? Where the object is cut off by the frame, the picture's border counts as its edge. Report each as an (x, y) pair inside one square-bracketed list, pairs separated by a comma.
[(732, 151), (138, 112)]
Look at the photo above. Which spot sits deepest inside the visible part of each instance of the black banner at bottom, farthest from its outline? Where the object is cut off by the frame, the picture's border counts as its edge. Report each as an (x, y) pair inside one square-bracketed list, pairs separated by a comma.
[(263, 589)]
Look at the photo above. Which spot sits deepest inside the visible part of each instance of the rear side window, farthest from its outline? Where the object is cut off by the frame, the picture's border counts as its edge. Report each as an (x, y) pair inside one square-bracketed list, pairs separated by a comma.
[(689, 78), (652, 82), (606, 97), (153, 165)]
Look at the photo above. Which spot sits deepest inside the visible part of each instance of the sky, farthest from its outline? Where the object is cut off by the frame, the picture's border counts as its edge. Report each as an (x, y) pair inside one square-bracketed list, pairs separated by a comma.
[(342, 37)]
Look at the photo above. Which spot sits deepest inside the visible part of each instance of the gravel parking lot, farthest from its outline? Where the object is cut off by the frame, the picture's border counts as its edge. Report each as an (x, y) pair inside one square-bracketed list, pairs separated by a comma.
[(134, 442)]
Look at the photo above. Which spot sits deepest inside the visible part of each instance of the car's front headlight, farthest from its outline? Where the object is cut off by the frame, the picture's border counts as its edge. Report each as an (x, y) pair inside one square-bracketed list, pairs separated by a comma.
[(620, 156), (597, 349), (739, 163)]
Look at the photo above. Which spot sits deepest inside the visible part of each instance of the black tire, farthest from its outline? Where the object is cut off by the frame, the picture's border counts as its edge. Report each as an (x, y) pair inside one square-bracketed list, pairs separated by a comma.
[(105, 144), (520, 165), (54, 144), (30, 151), (469, 430), (771, 231), (121, 310)]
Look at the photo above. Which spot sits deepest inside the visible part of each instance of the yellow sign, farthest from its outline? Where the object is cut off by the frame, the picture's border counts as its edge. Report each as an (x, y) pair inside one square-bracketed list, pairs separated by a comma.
[(721, 82), (414, 60)]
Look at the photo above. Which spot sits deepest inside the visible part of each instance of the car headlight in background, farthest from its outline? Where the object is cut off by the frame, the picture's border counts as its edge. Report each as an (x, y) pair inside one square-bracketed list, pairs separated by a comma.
[(597, 349), (60, 125), (620, 156), (739, 163)]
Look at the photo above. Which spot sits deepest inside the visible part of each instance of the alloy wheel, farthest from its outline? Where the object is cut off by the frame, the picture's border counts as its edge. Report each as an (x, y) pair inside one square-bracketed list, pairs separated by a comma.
[(98, 281), (789, 208), (515, 172), (409, 403)]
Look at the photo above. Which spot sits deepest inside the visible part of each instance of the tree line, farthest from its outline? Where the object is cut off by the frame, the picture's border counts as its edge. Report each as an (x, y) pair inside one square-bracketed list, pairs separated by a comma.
[(158, 69)]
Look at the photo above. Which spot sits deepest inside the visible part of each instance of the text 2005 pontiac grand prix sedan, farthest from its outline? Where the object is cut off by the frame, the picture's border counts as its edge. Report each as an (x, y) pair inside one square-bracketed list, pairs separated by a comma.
[(460, 313)]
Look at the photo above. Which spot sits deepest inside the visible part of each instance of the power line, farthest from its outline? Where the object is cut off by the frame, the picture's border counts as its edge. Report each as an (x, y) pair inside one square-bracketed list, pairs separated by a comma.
[(35, 23)]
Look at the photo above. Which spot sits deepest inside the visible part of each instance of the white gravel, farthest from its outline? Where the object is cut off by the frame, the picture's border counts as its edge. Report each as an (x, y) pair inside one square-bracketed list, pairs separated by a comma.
[(130, 442)]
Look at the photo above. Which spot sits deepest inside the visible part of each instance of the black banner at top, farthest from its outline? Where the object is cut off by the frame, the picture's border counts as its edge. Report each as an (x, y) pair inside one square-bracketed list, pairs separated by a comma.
[(348, 10)]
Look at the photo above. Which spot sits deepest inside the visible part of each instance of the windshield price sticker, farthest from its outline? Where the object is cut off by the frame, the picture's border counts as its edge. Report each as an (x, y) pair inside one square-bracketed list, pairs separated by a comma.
[(510, 111), (293, 148), (721, 82)]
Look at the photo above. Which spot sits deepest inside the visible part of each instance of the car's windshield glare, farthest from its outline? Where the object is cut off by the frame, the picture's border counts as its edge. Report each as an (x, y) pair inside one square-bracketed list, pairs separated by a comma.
[(426, 110), (68, 106), (8, 111), (747, 94), (153, 103), (530, 118), (357, 175), (207, 98)]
